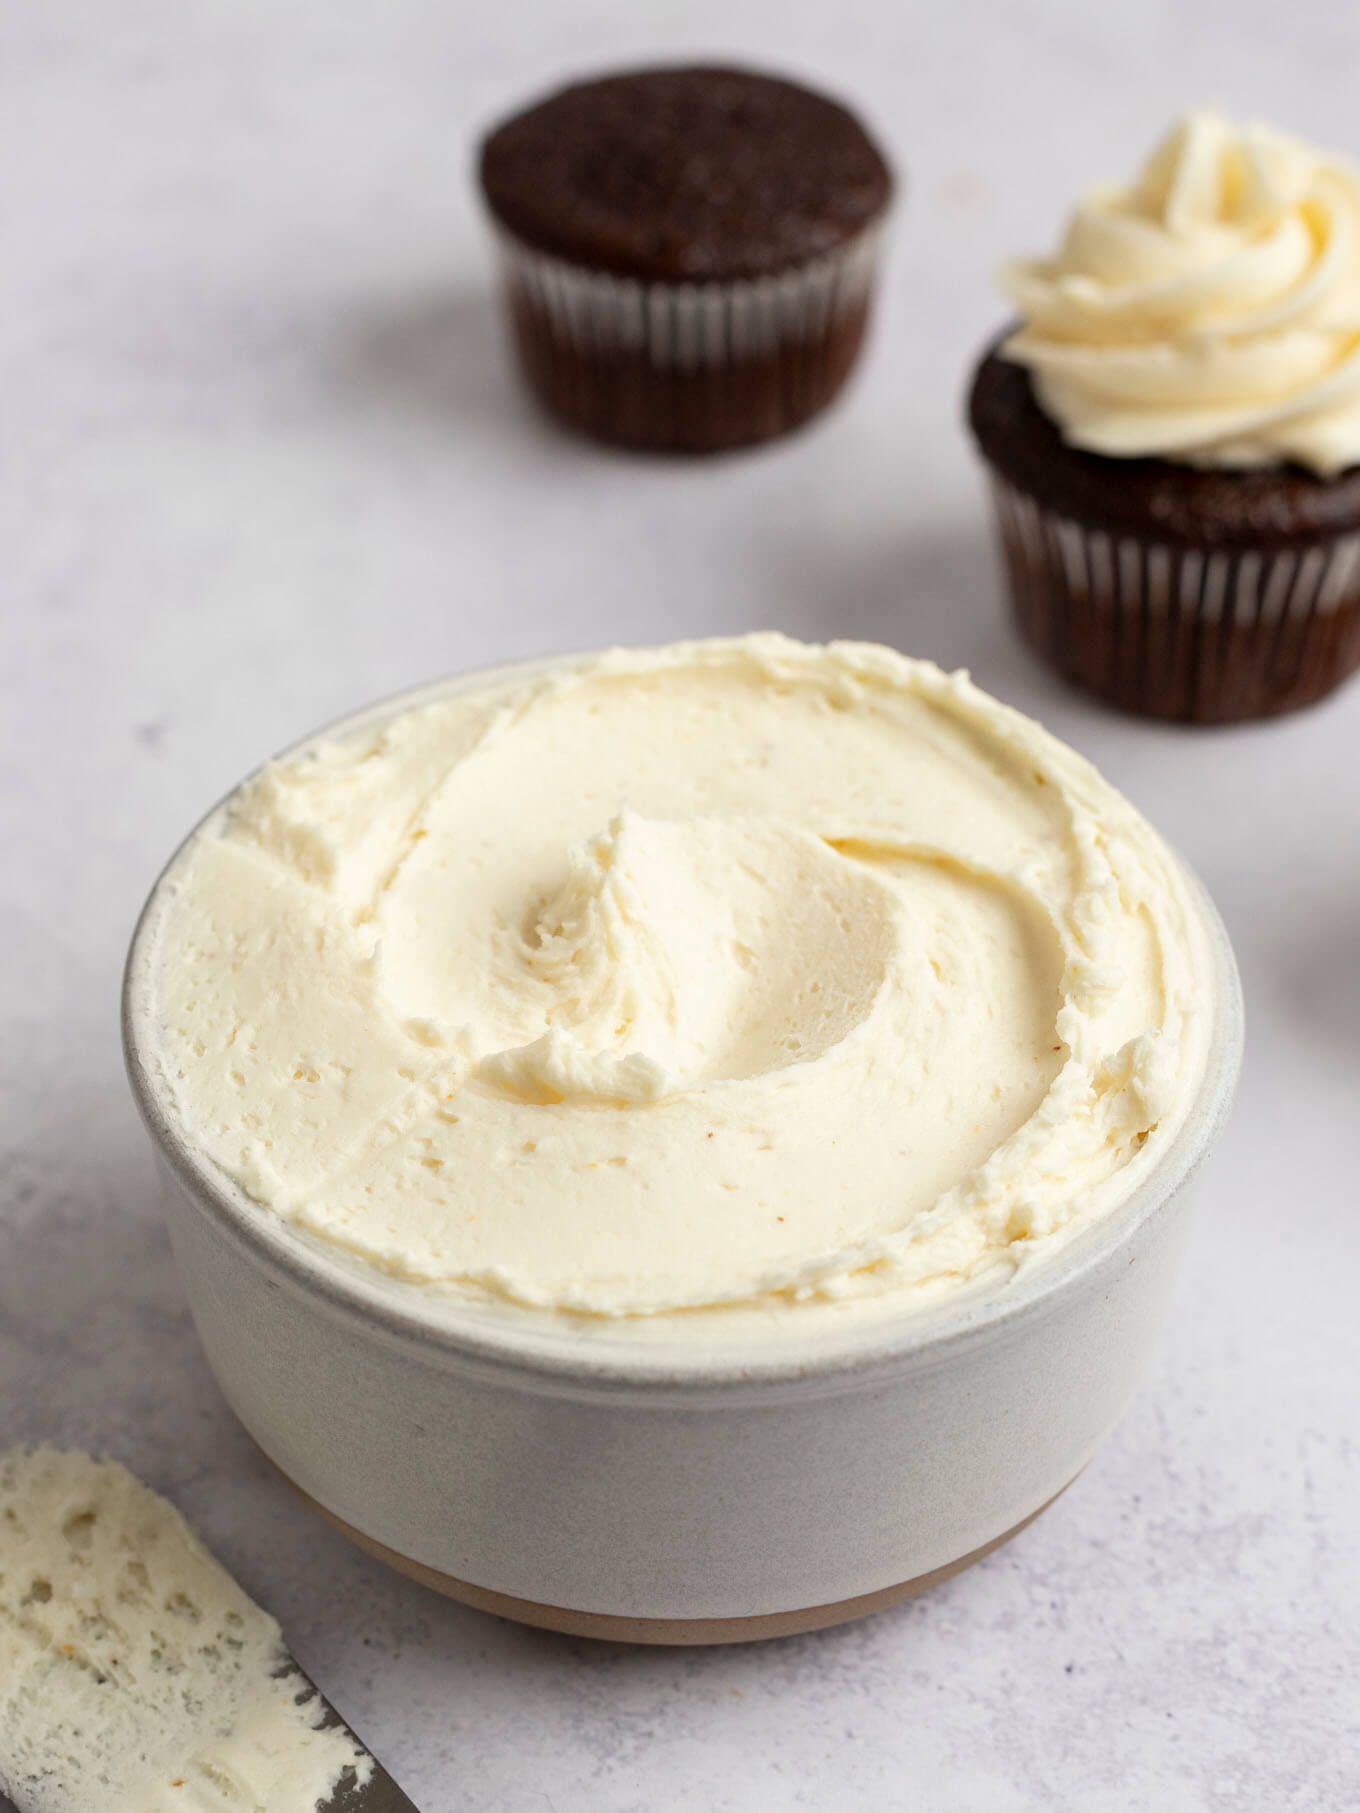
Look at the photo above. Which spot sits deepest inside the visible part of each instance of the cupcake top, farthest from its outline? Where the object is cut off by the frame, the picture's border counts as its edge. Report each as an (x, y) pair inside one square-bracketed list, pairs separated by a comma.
[(685, 175), (728, 977), (1208, 312)]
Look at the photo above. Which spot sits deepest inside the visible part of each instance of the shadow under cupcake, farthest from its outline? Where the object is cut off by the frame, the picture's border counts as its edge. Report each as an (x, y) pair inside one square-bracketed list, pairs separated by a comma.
[(1173, 432)]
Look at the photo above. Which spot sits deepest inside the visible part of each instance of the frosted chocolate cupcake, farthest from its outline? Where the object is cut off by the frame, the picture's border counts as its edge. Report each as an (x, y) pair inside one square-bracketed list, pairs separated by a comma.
[(1173, 431), (688, 254)]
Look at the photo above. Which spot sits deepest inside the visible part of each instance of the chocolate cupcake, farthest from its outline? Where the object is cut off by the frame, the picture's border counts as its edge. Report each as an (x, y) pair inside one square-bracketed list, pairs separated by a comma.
[(688, 254), (1173, 432)]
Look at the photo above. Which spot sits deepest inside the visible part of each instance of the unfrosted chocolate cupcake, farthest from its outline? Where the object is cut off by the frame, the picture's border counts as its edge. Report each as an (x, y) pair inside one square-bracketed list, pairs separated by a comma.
[(688, 253), (1173, 432)]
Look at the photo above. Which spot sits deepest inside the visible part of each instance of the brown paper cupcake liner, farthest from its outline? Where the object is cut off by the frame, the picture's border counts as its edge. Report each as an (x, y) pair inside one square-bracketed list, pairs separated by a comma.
[(687, 367), (1205, 636)]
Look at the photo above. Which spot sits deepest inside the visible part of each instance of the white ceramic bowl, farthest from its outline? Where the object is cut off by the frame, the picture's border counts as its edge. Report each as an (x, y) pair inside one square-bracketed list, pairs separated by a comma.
[(663, 1492)]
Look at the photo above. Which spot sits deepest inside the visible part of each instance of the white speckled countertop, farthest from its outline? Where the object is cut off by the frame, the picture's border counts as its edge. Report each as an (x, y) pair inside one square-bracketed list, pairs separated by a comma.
[(261, 460)]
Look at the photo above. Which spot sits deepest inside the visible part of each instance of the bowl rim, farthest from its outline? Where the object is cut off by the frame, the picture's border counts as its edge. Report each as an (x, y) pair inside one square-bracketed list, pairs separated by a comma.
[(560, 1359)]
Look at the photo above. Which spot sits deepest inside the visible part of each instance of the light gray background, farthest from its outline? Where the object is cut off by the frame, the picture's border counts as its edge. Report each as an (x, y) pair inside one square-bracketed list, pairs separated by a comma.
[(261, 460)]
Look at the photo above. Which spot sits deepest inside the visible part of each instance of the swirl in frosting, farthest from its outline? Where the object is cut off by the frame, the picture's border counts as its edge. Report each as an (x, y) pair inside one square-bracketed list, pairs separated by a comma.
[(731, 973), (1209, 312)]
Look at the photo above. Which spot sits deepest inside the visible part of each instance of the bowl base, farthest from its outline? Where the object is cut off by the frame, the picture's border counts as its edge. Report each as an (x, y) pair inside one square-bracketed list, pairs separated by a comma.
[(665, 1631)]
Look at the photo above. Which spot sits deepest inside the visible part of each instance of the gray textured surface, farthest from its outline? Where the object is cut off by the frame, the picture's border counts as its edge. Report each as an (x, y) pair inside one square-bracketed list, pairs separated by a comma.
[(259, 461)]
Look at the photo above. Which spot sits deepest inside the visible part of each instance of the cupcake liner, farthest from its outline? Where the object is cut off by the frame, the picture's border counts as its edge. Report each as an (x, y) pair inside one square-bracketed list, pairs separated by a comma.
[(1203, 635), (688, 366)]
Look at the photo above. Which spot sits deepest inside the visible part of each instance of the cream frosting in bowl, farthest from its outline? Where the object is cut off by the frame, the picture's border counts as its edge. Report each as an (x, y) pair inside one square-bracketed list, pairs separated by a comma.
[(733, 988), (680, 1145)]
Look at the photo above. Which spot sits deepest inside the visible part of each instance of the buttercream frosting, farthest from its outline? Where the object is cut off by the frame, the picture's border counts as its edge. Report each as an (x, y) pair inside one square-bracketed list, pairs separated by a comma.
[(1207, 312), (726, 974), (136, 1676)]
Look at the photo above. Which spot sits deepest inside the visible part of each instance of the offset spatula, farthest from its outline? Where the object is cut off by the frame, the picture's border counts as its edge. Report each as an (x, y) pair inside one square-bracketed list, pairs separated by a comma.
[(379, 1794)]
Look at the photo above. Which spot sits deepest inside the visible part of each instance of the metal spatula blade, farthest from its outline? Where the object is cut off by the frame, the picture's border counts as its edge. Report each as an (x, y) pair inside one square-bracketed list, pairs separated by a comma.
[(379, 1794)]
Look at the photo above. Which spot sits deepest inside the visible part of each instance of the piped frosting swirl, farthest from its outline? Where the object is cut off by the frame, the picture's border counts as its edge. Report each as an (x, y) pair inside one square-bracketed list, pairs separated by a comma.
[(1207, 312)]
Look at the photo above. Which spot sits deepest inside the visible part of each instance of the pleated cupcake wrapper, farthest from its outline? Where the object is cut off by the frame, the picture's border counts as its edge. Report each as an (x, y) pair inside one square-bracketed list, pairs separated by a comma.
[(690, 326), (1180, 631)]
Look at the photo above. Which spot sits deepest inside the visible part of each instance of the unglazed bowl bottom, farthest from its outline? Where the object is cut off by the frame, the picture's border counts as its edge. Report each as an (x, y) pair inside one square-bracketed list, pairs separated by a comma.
[(663, 1632)]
